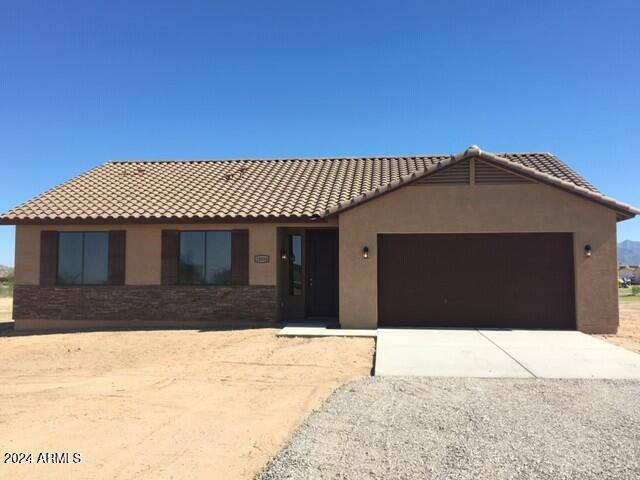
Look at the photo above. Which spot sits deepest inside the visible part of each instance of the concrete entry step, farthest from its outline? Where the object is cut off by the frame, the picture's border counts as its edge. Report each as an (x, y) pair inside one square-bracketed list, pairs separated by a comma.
[(319, 329), (501, 353)]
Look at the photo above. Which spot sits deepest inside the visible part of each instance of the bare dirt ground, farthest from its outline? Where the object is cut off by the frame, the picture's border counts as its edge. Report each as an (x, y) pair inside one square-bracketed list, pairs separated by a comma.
[(6, 306), (164, 404), (628, 335)]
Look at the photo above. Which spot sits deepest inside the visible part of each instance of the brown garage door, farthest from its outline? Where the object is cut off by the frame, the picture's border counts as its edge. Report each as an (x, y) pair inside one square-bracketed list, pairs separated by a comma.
[(476, 280)]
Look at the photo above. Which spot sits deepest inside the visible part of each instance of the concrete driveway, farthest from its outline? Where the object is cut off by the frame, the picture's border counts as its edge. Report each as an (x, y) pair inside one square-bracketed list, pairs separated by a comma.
[(501, 354)]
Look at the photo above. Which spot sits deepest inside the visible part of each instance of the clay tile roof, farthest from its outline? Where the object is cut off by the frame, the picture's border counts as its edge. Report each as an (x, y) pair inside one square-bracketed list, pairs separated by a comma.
[(254, 189)]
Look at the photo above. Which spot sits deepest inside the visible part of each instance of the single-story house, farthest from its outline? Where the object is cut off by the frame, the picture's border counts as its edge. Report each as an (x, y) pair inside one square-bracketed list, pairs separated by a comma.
[(631, 272), (513, 240)]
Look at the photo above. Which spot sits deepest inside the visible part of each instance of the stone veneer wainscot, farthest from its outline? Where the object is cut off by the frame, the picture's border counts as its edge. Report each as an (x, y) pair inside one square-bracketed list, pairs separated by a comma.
[(224, 304)]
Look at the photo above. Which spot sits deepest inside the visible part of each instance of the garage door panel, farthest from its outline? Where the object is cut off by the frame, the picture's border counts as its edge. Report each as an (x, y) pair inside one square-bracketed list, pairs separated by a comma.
[(476, 280)]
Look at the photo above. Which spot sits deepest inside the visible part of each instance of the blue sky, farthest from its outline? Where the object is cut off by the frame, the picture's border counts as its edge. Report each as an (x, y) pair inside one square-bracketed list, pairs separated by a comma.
[(84, 82)]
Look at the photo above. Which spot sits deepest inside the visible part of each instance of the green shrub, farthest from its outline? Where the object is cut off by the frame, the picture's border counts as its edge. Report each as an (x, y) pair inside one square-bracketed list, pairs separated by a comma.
[(635, 290)]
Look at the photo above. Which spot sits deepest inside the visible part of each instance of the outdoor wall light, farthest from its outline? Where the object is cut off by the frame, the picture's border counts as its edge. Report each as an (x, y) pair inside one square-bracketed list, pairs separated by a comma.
[(365, 252), (283, 255), (587, 251)]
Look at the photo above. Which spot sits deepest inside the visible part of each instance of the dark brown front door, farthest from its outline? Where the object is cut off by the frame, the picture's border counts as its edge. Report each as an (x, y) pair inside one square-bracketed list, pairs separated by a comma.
[(323, 272), (476, 280)]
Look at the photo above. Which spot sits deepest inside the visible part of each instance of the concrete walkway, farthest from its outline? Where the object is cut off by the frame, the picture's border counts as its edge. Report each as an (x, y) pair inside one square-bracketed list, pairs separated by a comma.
[(501, 353)]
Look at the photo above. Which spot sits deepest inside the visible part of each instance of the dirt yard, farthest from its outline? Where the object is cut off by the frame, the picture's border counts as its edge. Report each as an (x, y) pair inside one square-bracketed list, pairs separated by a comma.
[(164, 404), (6, 306), (629, 330)]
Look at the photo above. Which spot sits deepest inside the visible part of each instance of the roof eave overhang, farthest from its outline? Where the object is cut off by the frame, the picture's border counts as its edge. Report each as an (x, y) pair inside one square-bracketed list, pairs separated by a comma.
[(162, 220), (623, 210)]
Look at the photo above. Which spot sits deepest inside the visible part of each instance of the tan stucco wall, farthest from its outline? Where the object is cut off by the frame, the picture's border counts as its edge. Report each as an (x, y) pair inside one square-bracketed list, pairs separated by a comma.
[(481, 209), (144, 243)]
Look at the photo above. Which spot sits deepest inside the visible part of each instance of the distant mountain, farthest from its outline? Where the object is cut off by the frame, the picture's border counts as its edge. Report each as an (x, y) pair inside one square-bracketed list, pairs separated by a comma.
[(629, 253)]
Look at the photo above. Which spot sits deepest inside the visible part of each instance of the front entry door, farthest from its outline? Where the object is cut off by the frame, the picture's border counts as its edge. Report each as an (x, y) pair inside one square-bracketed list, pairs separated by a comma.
[(322, 281)]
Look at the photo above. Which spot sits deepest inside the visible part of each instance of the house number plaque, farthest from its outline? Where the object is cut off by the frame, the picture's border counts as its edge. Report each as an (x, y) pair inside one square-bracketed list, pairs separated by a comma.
[(261, 259)]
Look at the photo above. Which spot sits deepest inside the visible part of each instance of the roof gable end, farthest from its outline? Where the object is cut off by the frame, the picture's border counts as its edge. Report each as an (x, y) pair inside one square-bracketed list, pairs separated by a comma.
[(625, 210)]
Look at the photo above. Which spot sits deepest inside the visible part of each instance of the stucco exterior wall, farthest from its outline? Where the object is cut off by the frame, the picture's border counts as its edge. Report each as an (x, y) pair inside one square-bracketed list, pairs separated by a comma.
[(481, 209), (144, 244), (413, 209)]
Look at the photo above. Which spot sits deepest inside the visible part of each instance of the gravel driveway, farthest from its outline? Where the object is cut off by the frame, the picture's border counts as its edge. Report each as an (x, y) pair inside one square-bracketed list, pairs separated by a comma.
[(405, 428)]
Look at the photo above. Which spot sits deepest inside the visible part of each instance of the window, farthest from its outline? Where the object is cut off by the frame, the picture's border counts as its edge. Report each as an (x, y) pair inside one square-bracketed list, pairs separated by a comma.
[(205, 258), (295, 265), (83, 258)]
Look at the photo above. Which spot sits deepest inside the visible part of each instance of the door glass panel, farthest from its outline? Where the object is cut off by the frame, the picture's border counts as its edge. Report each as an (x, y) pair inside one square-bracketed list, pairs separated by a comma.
[(96, 258), (295, 265), (191, 267), (218, 258)]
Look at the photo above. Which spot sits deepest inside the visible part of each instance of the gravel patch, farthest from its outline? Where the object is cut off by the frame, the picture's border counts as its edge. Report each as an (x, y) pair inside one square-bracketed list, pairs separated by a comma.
[(452, 428)]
